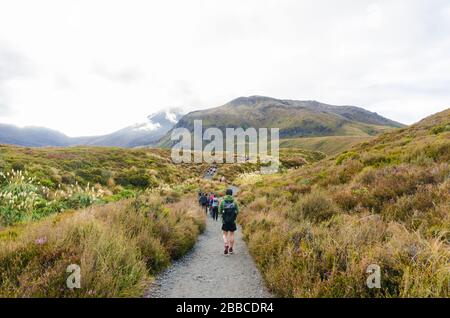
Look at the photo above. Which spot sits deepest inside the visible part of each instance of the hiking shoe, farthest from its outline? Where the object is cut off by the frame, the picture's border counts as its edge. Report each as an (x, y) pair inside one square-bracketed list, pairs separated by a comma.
[(231, 250), (226, 250)]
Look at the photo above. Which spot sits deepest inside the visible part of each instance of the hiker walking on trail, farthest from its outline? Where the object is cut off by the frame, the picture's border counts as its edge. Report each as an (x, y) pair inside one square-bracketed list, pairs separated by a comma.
[(208, 196), (214, 203), (204, 201), (200, 193), (210, 202), (229, 210)]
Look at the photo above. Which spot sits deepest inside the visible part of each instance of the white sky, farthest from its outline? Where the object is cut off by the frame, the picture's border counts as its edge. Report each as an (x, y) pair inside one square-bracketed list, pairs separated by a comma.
[(92, 67)]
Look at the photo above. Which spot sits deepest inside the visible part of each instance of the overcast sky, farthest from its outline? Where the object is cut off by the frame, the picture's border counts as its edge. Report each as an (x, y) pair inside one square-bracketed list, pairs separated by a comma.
[(91, 67)]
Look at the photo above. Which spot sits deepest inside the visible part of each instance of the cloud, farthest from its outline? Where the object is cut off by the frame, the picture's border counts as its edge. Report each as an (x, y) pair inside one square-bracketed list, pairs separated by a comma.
[(12, 66), (107, 64), (126, 75), (4, 109)]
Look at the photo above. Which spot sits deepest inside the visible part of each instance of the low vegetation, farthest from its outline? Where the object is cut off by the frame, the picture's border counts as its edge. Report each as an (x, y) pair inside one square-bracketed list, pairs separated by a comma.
[(329, 145), (289, 158), (114, 169), (24, 199), (314, 231), (118, 246), (38, 182)]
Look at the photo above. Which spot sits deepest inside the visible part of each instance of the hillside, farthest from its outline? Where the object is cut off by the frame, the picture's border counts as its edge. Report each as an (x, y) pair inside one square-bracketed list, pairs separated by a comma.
[(102, 165), (314, 231), (329, 145), (65, 178), (294, 118), (142, 134), (32, 136), (37, 182)]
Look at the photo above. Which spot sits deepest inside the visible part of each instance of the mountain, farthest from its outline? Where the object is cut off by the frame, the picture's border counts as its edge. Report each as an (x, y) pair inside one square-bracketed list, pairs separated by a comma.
[(142, 134), (294, 118), (32, 136)]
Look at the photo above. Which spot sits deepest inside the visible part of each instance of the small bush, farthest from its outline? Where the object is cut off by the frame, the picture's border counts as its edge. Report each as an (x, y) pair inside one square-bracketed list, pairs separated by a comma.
[(346, 155), (440, 129), (316, 207)]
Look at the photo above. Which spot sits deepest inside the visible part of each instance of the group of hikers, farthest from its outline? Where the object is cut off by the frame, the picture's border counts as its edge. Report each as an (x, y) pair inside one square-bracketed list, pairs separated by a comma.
[(211, 171), (210, 203), (228, 209)]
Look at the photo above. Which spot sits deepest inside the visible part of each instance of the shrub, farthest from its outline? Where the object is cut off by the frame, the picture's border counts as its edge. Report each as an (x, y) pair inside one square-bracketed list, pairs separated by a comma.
[(19, 195), (440, 129), (135, 178), (345, 199), (347, 171), (23, 199), (315, 206), (346, 155)]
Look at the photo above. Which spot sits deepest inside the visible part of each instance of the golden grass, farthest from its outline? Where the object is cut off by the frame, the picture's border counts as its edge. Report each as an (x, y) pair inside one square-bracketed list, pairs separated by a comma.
[(119, 247), (329, 145), (314, 231)]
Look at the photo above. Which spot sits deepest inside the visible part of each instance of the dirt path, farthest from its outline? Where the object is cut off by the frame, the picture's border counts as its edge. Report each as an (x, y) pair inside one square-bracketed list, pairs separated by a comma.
[(207, 273)]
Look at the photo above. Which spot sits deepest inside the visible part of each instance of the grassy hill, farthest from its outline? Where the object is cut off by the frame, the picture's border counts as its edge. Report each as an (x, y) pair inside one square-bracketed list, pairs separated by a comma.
[(314, 231), (330, 145), (294, 118), (139, 168), (37, 182)]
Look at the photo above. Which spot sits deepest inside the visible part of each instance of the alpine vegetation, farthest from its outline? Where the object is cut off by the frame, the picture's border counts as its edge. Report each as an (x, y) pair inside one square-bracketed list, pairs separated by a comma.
[(241, 146)]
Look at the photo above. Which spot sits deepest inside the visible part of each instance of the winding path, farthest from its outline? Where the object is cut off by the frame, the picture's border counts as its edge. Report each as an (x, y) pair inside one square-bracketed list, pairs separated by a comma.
[(207, 273)]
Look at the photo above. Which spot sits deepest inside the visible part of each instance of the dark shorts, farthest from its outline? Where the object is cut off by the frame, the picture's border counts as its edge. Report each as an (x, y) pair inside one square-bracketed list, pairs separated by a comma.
[(229, 227)]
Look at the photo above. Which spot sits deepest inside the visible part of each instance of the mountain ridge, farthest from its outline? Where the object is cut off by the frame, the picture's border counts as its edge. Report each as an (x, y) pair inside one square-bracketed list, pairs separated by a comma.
[(294, 118), (140, 134)]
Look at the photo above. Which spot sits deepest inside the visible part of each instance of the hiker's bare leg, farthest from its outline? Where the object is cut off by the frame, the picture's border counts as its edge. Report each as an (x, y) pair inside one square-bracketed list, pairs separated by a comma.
[(231, 239), (225, 238)]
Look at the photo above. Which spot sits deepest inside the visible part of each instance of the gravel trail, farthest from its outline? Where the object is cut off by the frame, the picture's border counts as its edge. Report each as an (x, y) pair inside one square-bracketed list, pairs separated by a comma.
[(207, 273)]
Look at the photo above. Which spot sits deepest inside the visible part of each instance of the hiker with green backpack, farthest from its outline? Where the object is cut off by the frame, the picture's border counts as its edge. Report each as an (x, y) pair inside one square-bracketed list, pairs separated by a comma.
[(228, 210)]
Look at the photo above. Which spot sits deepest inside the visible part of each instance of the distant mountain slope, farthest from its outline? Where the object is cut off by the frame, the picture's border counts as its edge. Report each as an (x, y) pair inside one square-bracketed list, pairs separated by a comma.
[(142, 134), (294, 118), (32, 136), (329, 145)]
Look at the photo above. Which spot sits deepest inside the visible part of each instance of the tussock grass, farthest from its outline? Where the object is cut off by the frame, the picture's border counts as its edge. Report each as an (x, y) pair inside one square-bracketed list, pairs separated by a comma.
[(314, 231), (330, 145), (119, 246)]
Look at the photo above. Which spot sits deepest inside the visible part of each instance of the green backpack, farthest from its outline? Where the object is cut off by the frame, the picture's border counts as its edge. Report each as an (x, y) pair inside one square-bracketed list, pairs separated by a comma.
[(229, 212)]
